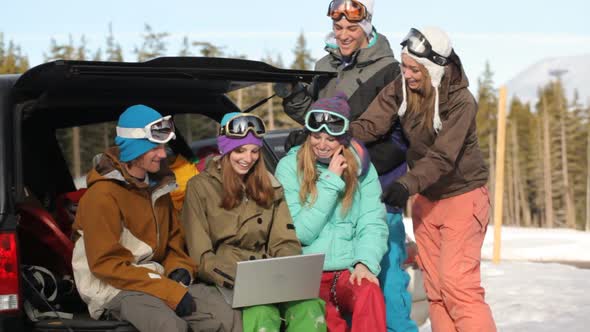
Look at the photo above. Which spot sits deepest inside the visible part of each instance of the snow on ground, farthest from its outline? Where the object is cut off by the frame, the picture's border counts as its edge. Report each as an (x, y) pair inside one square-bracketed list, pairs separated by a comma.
[(539, 244), (534, 296)]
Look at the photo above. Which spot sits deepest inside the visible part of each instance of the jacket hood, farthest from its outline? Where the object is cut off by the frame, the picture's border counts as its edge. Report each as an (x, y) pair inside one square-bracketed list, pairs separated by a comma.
[(110, 168), (454, 78), (377, 49), (358, 149)]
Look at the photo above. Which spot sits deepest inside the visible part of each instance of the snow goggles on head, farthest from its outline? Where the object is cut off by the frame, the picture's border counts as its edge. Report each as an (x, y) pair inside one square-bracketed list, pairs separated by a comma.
[(241, 124), (354, 11), (160, 131), (333, 123), (419, 46)]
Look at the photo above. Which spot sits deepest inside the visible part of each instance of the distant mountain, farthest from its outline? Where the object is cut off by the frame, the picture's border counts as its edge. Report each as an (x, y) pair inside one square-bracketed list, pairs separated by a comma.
[(577, 76)]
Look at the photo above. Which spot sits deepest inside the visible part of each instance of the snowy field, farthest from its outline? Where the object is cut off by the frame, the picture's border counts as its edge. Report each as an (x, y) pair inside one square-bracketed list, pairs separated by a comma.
[(526, 294)]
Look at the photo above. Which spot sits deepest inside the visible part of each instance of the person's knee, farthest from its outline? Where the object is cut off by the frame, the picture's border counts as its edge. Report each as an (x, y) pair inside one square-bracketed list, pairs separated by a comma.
[(368, 288), (261, 318), (171, 323), (315, 308)]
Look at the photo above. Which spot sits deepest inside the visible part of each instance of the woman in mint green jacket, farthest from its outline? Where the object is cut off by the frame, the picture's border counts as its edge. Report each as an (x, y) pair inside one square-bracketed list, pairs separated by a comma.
[(333, 194)]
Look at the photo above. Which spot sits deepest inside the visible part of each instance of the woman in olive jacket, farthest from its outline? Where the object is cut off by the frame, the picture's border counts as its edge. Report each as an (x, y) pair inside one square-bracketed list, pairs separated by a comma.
[(235, 211), (447, 174)]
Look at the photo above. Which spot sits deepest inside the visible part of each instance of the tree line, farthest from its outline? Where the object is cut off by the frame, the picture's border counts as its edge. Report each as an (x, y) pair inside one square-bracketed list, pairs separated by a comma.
[(547, 182), (547, 178)]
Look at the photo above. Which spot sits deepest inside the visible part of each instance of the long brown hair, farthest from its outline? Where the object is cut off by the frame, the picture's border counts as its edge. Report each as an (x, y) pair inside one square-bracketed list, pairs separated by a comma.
[(307, 172), (422, 101), (256, 185)]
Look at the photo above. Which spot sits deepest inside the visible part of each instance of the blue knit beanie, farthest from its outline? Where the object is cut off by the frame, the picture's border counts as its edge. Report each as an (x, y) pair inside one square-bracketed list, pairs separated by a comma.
[(136, 116)]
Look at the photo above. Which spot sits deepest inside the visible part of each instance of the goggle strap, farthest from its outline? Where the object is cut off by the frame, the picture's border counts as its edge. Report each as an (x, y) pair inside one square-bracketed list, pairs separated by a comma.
[(134, 133), (365, 13)]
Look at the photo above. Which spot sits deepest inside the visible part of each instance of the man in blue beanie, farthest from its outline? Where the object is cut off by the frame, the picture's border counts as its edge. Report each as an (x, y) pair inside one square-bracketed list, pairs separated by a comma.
[(129, 261)]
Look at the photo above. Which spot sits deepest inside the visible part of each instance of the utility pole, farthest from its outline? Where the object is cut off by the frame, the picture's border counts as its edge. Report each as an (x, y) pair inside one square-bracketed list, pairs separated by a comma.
[(547, 185), (567, 194)]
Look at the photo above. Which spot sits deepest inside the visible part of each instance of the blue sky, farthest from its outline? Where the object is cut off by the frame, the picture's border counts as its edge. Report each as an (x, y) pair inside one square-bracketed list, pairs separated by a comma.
[(511, 35)]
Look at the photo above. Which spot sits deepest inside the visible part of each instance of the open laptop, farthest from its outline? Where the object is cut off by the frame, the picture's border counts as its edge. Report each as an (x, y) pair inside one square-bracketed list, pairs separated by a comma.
[(275, 280)]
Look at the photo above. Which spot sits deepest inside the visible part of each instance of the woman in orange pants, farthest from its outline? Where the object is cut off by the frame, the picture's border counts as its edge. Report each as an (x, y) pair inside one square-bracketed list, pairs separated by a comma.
[(447, 174)]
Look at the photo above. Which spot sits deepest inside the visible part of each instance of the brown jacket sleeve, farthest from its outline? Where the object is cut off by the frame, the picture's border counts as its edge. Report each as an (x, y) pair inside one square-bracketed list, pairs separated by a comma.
[(283, 239), (112, 263), (176, 256), (377, 120), (210, 269), (441, 157)]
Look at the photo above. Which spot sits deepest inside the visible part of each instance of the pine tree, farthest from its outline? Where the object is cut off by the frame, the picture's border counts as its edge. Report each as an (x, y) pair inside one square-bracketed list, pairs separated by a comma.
[(154, 44), (577, 138), (113, 50), (486, 121), (11, 59), (522, 146), (209, 50), (303, 59), (185, 47)]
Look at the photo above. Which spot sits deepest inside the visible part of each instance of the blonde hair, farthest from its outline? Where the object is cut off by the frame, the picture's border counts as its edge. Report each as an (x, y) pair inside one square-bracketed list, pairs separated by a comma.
[(256, 185), (422, 101), (308, 175)]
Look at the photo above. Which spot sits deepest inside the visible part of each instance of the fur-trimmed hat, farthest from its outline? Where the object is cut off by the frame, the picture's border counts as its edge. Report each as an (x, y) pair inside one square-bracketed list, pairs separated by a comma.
[(366, 24), (441, 44)]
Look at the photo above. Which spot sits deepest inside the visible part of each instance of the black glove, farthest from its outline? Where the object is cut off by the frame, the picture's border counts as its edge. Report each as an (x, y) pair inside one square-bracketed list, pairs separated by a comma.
[(283, 90), (181, 275), (396, 195), (186, 306)]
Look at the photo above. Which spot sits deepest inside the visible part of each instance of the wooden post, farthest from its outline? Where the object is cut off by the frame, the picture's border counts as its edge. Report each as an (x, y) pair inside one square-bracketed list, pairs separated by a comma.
[(499, 186), (588, 185)]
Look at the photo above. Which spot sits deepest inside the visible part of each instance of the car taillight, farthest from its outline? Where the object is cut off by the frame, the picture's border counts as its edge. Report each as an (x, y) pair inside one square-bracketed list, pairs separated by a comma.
[(9, 280)]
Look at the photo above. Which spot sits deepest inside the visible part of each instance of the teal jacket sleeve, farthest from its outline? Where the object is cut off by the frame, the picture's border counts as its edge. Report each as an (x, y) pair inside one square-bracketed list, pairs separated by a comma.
[(371, 227), (309, 220)]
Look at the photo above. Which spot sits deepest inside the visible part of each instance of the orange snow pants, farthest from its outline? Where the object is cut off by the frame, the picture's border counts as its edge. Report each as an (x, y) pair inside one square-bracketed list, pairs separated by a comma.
[(450, 233)]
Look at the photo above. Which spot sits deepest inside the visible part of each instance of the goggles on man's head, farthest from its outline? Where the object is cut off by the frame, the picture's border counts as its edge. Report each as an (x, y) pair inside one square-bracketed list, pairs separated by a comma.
[(354, 11), (160, 131), (241, 124), (419, 46), (333, 123)]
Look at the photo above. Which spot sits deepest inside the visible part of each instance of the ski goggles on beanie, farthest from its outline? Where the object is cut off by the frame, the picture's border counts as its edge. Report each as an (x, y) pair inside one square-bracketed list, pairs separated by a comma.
[(160, 131), (241, 124), (354, 11), (333, 123), (419, 46)]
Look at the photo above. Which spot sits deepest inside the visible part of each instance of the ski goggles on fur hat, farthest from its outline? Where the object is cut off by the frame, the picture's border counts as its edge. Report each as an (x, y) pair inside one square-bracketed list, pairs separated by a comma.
[(419, 46), (241, 124), (160, 131), (354, 11), (333, 123)]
